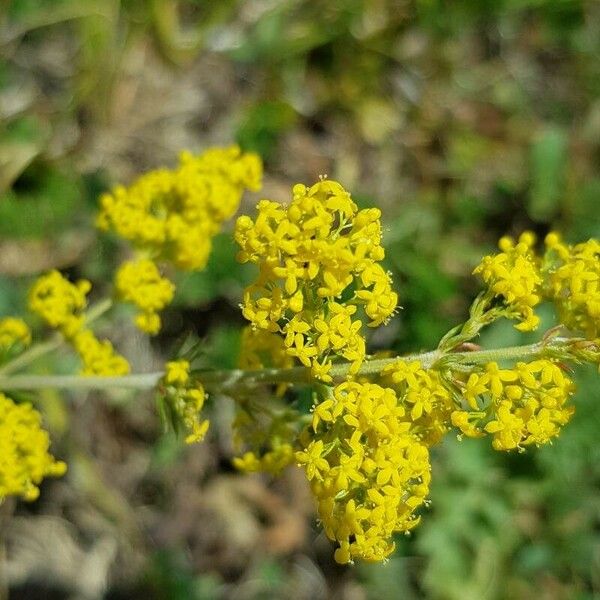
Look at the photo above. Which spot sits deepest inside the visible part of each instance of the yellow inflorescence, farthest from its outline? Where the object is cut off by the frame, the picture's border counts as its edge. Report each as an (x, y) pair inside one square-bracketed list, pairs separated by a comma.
[(319, 262), (14, 332), (24, 458), (173, 215), (573, 283), (59, 302), (98, 356), (514, 275), (62, 305), (426, 399), (185, 399), (141, 283), (567, 275), (520, 406), (367, 468)]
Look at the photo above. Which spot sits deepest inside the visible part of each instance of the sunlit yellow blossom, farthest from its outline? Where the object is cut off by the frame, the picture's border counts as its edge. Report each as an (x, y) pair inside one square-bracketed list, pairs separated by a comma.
[(520, 406), (423, 396), (468, 422), (514, 275), (62, 304), (98, 356), (311, 254), (573, 283), (14, 332), (313, 461), (174, 214), (24, 457), (177, 372), (59, 302), (141, 283), (368, 469)]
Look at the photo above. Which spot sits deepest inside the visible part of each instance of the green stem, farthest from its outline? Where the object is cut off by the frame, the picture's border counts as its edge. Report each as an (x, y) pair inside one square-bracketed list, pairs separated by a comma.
[(32, 354), (53, 343), (228, 381)]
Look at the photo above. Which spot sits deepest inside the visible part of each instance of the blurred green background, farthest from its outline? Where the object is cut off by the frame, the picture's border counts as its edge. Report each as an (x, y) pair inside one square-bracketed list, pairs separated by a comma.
[(463, 120)]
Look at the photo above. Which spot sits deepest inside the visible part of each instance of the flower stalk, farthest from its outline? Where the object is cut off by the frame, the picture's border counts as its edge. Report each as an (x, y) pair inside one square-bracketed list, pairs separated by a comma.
[(235, 380)]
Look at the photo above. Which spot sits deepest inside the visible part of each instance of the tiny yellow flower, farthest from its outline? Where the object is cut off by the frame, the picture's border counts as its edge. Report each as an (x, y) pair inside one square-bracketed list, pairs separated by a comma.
[(177, 372)]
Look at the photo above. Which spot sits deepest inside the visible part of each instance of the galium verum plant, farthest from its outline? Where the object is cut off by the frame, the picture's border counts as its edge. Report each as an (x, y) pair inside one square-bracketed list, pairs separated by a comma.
[(319, 287)]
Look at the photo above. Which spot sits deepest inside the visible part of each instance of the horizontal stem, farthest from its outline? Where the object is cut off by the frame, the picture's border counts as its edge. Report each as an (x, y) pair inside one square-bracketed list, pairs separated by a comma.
[(236, 379), (139, 381)]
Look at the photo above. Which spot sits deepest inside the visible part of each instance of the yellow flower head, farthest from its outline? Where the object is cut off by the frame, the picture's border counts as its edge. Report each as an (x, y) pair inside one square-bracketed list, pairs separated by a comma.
[(319, 263), (141, 283), (98, 356), (24, 457), (514, 276), (423, 396), (519, 407), (62, 304), (174, 214), (573, 283), (14, 332), (367, 469), (59, 302)]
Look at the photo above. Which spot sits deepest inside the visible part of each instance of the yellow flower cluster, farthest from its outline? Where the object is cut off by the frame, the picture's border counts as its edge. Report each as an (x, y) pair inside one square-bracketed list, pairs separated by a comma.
[(567, 275), (14, 333), (98, 356), (174, 214), (367, 460), (573, 283), (141, 283), (514, 275), (185, 400), (520, 406), (61, 304), (426, 399), (319, 261), (367, 469), (24, 458)]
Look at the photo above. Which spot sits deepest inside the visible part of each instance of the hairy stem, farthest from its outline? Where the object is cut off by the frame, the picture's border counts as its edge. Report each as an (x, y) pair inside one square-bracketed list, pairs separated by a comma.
[(228, 381)]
